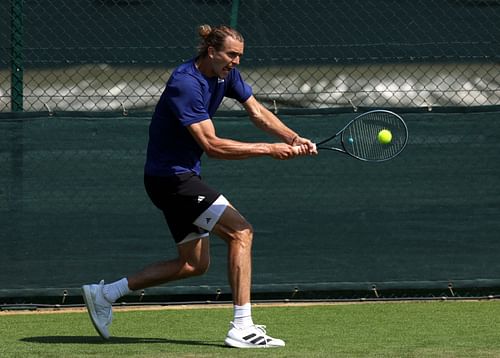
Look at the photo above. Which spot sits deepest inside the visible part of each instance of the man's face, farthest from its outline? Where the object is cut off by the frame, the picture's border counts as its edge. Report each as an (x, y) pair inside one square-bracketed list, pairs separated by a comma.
[(227, 58)]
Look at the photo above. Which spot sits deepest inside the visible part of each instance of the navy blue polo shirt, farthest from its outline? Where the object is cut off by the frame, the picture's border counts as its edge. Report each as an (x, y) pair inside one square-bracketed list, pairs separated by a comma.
[(189, 97)]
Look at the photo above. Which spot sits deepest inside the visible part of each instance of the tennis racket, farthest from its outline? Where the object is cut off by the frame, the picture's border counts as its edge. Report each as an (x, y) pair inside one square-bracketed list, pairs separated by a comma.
[(374, 136)]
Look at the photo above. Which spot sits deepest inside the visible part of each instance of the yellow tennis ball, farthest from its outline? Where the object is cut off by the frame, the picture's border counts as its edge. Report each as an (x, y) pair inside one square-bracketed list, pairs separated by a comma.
[(384, 136)]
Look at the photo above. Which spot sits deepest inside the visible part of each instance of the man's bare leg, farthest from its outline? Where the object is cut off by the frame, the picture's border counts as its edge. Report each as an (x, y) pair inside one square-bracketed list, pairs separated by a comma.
[(238, 234), (193, 259)]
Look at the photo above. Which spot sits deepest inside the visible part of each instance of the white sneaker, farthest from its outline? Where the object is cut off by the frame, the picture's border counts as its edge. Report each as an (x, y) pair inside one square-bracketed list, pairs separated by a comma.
[(251, 337), (99, 308)]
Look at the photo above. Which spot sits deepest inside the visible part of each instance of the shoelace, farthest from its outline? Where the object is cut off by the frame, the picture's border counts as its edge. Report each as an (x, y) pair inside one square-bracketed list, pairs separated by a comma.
[(260, 327)]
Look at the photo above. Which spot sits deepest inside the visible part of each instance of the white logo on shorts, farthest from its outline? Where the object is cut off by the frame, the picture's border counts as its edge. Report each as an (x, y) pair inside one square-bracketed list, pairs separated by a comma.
[(200, 198)]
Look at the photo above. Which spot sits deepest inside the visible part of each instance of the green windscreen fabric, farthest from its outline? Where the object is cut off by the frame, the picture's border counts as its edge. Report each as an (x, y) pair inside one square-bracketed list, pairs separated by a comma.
[(73, 209)]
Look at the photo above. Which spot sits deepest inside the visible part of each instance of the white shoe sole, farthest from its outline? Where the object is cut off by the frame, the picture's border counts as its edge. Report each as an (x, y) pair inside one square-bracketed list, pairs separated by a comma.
[(89, 302), (239, 344)]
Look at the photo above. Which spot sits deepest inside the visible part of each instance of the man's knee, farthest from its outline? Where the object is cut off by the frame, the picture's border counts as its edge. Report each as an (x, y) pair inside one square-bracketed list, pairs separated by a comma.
[(234, 229), (194, 258), (196, 267), (243, 236)]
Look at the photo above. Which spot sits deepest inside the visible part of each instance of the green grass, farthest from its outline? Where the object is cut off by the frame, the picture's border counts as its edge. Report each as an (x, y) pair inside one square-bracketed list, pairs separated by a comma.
[(403, 329)]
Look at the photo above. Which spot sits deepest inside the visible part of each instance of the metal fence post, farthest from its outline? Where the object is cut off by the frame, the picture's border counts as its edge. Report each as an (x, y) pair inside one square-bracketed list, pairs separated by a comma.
[(17, 55), (234, 13)]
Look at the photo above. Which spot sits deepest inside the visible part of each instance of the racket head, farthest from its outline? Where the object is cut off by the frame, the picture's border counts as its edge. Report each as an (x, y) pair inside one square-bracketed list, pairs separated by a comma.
[(359, 138)]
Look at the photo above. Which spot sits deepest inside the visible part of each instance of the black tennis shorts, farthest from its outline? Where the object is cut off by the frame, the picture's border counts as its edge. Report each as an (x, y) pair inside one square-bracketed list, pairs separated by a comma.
[(182, 198)]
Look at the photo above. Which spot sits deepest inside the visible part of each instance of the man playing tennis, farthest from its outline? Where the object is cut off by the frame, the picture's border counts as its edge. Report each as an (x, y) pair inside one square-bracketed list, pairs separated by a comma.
[(181, 130)]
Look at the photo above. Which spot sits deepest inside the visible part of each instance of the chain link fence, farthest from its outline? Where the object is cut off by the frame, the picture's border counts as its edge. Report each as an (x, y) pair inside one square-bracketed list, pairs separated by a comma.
[(116, 55)]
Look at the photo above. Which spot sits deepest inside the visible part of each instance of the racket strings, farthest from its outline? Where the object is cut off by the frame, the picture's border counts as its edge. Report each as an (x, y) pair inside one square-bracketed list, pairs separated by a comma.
[(362, 136)]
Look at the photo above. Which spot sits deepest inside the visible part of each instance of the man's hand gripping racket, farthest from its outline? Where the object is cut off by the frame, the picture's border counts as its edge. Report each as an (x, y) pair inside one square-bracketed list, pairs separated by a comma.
[(374, 136)]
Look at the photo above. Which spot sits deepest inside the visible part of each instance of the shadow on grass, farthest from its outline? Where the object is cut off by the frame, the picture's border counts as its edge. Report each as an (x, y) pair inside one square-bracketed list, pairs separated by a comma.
[(112, 340)]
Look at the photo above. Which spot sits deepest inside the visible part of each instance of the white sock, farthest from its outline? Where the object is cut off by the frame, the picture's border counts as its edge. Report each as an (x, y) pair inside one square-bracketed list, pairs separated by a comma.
[(115, 290), (243, 316)]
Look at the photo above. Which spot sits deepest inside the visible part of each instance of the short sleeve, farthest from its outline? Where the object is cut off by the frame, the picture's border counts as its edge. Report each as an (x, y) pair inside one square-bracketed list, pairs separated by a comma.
[(185, 99), (238, 89)]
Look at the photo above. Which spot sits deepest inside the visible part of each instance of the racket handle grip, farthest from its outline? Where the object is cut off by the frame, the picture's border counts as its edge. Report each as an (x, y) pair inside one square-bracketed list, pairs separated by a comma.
[(297, 148)]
